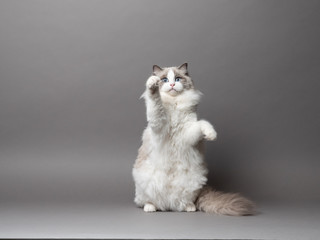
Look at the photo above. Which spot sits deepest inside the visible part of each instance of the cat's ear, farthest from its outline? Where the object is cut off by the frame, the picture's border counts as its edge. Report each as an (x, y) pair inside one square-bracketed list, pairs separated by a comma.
[(156, 69), (184, 68)]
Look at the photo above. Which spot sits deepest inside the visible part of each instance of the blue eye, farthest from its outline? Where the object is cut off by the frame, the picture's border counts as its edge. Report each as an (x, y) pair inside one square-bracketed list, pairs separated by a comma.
[(178, 79), (164, 79)]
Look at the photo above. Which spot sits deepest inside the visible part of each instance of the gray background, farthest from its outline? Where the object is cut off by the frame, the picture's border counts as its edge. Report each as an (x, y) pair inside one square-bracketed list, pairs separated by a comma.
[(71, 73)]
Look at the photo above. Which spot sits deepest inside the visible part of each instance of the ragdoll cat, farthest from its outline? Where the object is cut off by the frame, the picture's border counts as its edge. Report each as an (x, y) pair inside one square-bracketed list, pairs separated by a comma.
[(170, 173)]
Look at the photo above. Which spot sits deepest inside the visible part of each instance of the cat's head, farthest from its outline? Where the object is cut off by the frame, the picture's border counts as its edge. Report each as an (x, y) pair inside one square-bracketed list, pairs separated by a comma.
[(174, 80)]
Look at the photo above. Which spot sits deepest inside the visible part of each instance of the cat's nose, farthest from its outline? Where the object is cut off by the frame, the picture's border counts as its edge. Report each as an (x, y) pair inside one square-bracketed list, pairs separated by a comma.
[(172, 84)]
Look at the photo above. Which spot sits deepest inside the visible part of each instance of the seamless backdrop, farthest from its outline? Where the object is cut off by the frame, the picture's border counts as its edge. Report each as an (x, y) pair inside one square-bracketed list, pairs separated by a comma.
[(72, 72)]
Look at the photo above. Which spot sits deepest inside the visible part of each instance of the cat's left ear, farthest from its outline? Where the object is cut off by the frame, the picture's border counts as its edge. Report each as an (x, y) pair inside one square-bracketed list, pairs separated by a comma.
[(184, 68)]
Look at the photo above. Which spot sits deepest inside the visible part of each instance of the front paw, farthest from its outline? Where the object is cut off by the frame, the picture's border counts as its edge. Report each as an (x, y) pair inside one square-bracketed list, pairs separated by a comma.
[(153, 82), (210, 135), (208, 131)]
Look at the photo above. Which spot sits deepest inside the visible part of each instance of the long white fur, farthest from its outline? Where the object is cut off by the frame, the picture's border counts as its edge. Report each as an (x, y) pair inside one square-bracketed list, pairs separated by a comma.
[(174, 171)]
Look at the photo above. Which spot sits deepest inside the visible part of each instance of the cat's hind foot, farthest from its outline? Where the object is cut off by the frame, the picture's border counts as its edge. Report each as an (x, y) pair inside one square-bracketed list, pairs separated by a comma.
[(190, 207), (149, 207)]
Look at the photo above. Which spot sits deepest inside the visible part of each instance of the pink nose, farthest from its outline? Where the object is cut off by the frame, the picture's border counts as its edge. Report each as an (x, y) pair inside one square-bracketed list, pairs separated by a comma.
[(172, 84)]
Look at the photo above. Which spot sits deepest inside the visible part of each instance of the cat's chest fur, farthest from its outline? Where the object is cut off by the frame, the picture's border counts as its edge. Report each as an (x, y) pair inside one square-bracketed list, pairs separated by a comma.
[(172, 161), (176, 123), (172, 137)]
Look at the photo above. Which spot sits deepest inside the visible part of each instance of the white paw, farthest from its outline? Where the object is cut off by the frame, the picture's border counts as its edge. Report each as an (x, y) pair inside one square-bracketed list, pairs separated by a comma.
[(148, 207), (191, 207), (152, 82), (208, 131), (210, 135)]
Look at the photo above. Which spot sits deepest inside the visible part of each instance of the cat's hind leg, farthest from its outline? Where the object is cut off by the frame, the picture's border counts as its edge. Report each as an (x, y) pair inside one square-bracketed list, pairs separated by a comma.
[(140, 198)]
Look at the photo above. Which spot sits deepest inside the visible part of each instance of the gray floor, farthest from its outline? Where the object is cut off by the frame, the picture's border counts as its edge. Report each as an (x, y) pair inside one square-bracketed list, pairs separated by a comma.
[(275, 221)]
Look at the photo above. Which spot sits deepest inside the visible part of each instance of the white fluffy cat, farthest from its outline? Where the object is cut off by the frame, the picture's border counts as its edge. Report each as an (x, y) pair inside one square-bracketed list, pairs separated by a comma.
[(170, 173)]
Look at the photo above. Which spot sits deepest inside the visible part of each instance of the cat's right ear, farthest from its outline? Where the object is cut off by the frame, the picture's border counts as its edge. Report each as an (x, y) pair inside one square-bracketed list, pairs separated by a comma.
[(156, 69), (184, 68)]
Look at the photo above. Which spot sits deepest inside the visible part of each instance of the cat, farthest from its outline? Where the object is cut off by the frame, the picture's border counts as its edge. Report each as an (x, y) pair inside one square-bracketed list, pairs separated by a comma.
[(170, 173)]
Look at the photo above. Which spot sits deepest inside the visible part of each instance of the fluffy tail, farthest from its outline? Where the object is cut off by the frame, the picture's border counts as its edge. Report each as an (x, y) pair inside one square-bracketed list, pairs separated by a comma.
[(224, 203)]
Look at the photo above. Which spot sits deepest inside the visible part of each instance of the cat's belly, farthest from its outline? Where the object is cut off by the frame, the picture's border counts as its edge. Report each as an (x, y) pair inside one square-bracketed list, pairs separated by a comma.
[(169, 183)]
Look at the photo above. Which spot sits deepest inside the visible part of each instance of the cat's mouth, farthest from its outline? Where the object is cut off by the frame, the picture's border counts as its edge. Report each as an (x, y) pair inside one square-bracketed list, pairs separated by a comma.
[(173, 92)]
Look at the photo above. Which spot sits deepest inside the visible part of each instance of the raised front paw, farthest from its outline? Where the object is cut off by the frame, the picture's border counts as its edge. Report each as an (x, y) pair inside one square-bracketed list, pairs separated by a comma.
[(208, 131), (153, 82)]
